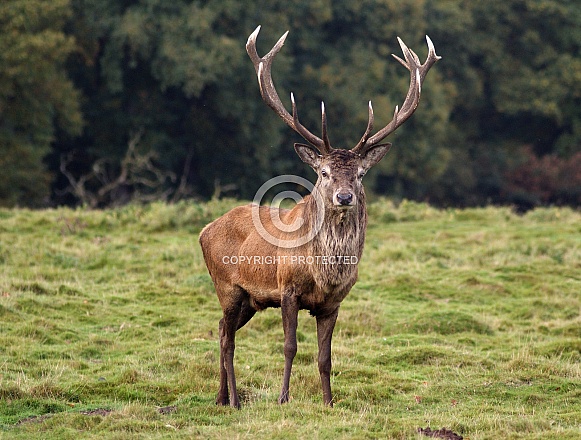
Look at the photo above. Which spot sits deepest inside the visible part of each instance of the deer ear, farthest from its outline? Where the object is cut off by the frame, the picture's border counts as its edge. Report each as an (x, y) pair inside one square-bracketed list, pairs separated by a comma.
[(374, 155), (309, 155)]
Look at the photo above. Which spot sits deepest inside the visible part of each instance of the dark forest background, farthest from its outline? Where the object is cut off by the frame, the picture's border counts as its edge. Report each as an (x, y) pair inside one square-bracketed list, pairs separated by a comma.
[(103, 102)]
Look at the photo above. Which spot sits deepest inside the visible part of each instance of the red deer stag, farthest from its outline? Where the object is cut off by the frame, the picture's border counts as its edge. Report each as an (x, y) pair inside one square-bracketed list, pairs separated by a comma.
[(305, 257)]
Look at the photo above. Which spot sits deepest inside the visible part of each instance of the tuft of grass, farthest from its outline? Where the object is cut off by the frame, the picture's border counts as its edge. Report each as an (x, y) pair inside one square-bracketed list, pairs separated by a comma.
[(447, 322), (468, 320)]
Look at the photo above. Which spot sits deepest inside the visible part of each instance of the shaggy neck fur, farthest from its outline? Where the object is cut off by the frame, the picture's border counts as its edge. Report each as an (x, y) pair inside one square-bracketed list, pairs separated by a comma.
[(342, 235)]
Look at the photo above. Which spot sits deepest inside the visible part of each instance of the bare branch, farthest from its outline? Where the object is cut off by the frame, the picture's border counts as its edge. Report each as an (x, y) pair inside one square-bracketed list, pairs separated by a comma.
[(137, 179)]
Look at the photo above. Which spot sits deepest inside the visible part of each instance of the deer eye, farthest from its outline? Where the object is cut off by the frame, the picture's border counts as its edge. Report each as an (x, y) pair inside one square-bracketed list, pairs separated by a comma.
[(324, 173), (361, 174)]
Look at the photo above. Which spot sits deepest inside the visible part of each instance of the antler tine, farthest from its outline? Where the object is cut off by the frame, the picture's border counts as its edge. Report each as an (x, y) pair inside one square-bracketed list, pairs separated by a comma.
[(431, 60), (326, 141), (251, 47), (418, 73), (368, 130), (270, 96)]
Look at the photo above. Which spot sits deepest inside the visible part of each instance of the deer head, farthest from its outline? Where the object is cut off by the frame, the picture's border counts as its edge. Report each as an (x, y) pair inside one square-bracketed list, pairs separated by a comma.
[(339, 170), (340, 173)]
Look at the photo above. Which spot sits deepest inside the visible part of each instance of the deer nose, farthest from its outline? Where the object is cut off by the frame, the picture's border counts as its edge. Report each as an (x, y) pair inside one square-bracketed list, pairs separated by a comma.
[(345, 198)]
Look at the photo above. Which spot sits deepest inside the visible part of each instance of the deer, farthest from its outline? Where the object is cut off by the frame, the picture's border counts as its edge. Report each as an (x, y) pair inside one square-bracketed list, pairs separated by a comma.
[(304, 258)]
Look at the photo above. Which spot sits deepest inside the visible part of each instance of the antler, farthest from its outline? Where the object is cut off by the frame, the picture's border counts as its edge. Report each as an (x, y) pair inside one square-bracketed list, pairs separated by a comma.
[(417, 74), (271, 98)]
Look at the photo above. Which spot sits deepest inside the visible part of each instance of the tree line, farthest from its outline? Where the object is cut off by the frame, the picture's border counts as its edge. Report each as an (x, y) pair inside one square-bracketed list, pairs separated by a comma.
[(103, 102)]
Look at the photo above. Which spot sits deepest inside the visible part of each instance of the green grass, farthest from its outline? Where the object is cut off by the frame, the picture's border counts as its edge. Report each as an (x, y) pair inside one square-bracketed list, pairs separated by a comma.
[(463, 319)]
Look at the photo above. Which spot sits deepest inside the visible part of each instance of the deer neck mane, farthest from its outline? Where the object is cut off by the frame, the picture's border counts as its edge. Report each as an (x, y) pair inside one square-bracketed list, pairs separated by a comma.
[(339, 243)]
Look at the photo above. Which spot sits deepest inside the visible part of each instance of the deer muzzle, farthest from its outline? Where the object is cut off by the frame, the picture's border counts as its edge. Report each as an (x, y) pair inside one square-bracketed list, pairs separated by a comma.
[(344, 199)]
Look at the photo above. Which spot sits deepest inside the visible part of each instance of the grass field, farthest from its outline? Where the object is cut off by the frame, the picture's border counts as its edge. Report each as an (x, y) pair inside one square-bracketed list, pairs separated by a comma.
[(468, 320)]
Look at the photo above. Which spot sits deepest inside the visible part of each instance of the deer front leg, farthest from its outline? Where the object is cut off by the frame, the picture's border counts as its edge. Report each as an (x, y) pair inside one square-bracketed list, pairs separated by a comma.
[(325, 326), (290, 309)]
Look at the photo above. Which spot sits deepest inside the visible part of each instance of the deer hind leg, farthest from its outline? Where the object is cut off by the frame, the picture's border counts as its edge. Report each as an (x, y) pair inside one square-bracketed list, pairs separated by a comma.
[(236, 314), (222, 398), (246, 312)]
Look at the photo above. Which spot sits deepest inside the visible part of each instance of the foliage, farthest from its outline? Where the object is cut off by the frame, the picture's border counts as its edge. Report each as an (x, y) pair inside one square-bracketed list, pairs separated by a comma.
[(546, 180), (36, 97), (461, 319), (178, 72)]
